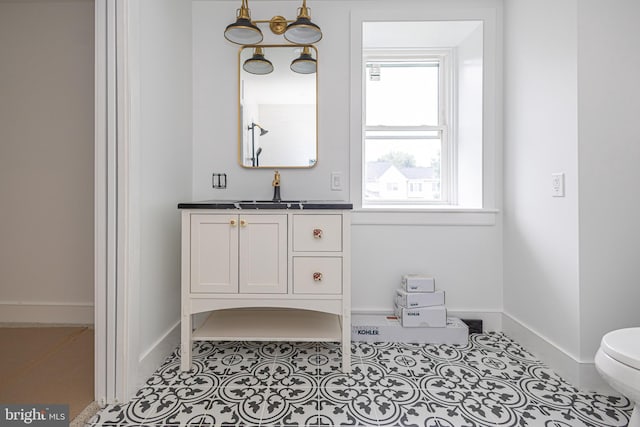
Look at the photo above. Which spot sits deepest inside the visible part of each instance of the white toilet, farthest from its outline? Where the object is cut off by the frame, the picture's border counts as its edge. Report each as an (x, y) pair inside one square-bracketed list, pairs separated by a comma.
[(618, 361)]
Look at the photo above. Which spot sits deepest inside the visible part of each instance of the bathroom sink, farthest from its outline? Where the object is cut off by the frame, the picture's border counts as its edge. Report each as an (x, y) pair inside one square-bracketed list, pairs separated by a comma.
[(269, 204), (270, 201)]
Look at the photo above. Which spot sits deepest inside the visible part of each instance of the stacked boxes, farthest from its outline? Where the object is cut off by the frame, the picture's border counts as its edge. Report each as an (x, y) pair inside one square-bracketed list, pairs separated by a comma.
[(420, 317), (419, 304)]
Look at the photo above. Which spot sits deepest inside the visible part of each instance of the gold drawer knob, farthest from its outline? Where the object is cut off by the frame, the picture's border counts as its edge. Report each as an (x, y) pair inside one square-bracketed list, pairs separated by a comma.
[(243, 223), (317, 233), (317, 277), (233, 222)]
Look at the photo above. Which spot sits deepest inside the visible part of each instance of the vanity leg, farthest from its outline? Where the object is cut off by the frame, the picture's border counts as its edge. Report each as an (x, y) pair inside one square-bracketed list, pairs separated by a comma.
[(346, 342), (185, 342)]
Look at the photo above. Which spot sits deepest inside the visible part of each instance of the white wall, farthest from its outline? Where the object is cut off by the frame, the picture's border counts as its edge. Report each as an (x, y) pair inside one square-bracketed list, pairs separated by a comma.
[(609, 155), (161, 155), (571, 268), (540, 115), (46, 161), (466, 260)]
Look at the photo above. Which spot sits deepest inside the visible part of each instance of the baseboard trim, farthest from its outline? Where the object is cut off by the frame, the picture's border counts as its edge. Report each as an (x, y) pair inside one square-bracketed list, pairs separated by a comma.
[(491, 320), (151, 359), (62, 313), (581, 374)]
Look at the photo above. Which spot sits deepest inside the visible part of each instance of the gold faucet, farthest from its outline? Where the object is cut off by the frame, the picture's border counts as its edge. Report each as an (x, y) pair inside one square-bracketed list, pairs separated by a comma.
[(276, 186)]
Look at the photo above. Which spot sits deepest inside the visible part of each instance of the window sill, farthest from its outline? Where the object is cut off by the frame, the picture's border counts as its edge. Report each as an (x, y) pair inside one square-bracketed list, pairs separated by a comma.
[(441, 215)]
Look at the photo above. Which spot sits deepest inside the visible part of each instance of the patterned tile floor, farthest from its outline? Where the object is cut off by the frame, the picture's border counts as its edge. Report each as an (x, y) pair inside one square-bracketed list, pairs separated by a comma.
[(492, 381)]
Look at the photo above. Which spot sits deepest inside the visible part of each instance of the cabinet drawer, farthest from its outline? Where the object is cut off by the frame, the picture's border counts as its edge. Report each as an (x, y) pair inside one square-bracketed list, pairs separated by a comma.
[(317, 275), (322, 233)]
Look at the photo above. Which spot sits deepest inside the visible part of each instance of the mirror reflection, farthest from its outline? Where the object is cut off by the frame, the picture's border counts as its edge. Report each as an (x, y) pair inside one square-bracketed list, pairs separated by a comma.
[(278, 107)]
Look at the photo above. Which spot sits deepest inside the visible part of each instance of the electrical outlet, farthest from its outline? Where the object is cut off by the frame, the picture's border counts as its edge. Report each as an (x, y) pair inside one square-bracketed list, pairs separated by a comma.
[(557, 184), (336, 181), (219, 180)]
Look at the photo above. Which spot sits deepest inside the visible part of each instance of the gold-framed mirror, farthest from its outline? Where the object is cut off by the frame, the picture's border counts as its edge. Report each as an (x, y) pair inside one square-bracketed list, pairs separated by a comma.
[(278, 109)]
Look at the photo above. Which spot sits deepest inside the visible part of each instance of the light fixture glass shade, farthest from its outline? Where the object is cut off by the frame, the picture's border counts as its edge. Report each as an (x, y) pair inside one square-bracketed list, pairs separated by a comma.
[(243, 31), (304, 64), (257, 64), (303, 31)]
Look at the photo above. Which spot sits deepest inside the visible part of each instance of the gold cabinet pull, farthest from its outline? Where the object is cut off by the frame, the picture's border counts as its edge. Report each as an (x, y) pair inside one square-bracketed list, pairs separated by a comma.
[(317, 233), (233, 222), (317, 276), (243, 223)]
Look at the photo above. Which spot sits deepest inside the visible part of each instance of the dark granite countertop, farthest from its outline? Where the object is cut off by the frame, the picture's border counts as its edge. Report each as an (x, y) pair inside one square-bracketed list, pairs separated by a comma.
[(265, 204)]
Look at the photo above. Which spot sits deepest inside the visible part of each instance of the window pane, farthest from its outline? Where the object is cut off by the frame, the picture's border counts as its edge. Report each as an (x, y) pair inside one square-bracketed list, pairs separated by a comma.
[(412, 134), (402, 94), (406, 170)]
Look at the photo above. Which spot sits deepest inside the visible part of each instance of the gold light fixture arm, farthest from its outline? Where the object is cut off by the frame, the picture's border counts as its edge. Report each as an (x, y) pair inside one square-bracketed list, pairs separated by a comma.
[(277, 24), (243, 12), (303, 11)]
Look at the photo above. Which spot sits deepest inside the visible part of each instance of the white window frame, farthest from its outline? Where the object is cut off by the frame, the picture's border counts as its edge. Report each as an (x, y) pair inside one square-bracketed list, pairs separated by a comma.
[(464, 213), (446, 118)]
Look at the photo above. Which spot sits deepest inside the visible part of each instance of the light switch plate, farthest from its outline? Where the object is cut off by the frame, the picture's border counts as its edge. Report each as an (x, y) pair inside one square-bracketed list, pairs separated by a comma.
[(557, 184), (336, 181)]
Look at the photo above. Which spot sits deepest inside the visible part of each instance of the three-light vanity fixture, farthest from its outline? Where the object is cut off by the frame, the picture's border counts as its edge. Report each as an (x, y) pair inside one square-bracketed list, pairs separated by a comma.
[(302, 31)]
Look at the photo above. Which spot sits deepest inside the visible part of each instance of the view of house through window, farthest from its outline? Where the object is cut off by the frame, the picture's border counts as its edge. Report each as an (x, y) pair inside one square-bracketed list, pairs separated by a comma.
[(405, 128)]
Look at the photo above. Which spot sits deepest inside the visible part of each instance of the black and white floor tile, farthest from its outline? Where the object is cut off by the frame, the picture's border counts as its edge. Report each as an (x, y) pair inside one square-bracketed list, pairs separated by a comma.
[(490, 382)]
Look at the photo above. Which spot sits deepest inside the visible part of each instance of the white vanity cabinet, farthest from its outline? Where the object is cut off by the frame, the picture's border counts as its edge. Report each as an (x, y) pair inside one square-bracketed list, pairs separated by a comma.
[(266, 274), (238, 253)]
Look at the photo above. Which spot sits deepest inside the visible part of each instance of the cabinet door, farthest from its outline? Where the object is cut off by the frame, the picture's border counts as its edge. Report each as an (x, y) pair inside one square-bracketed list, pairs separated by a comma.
[(263, 254), (214, 253)]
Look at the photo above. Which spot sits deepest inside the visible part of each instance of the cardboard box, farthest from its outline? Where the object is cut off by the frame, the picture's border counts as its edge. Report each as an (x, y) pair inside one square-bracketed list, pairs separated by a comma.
[(381, 328), (419, 299), (418, 283), (434, 317)]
